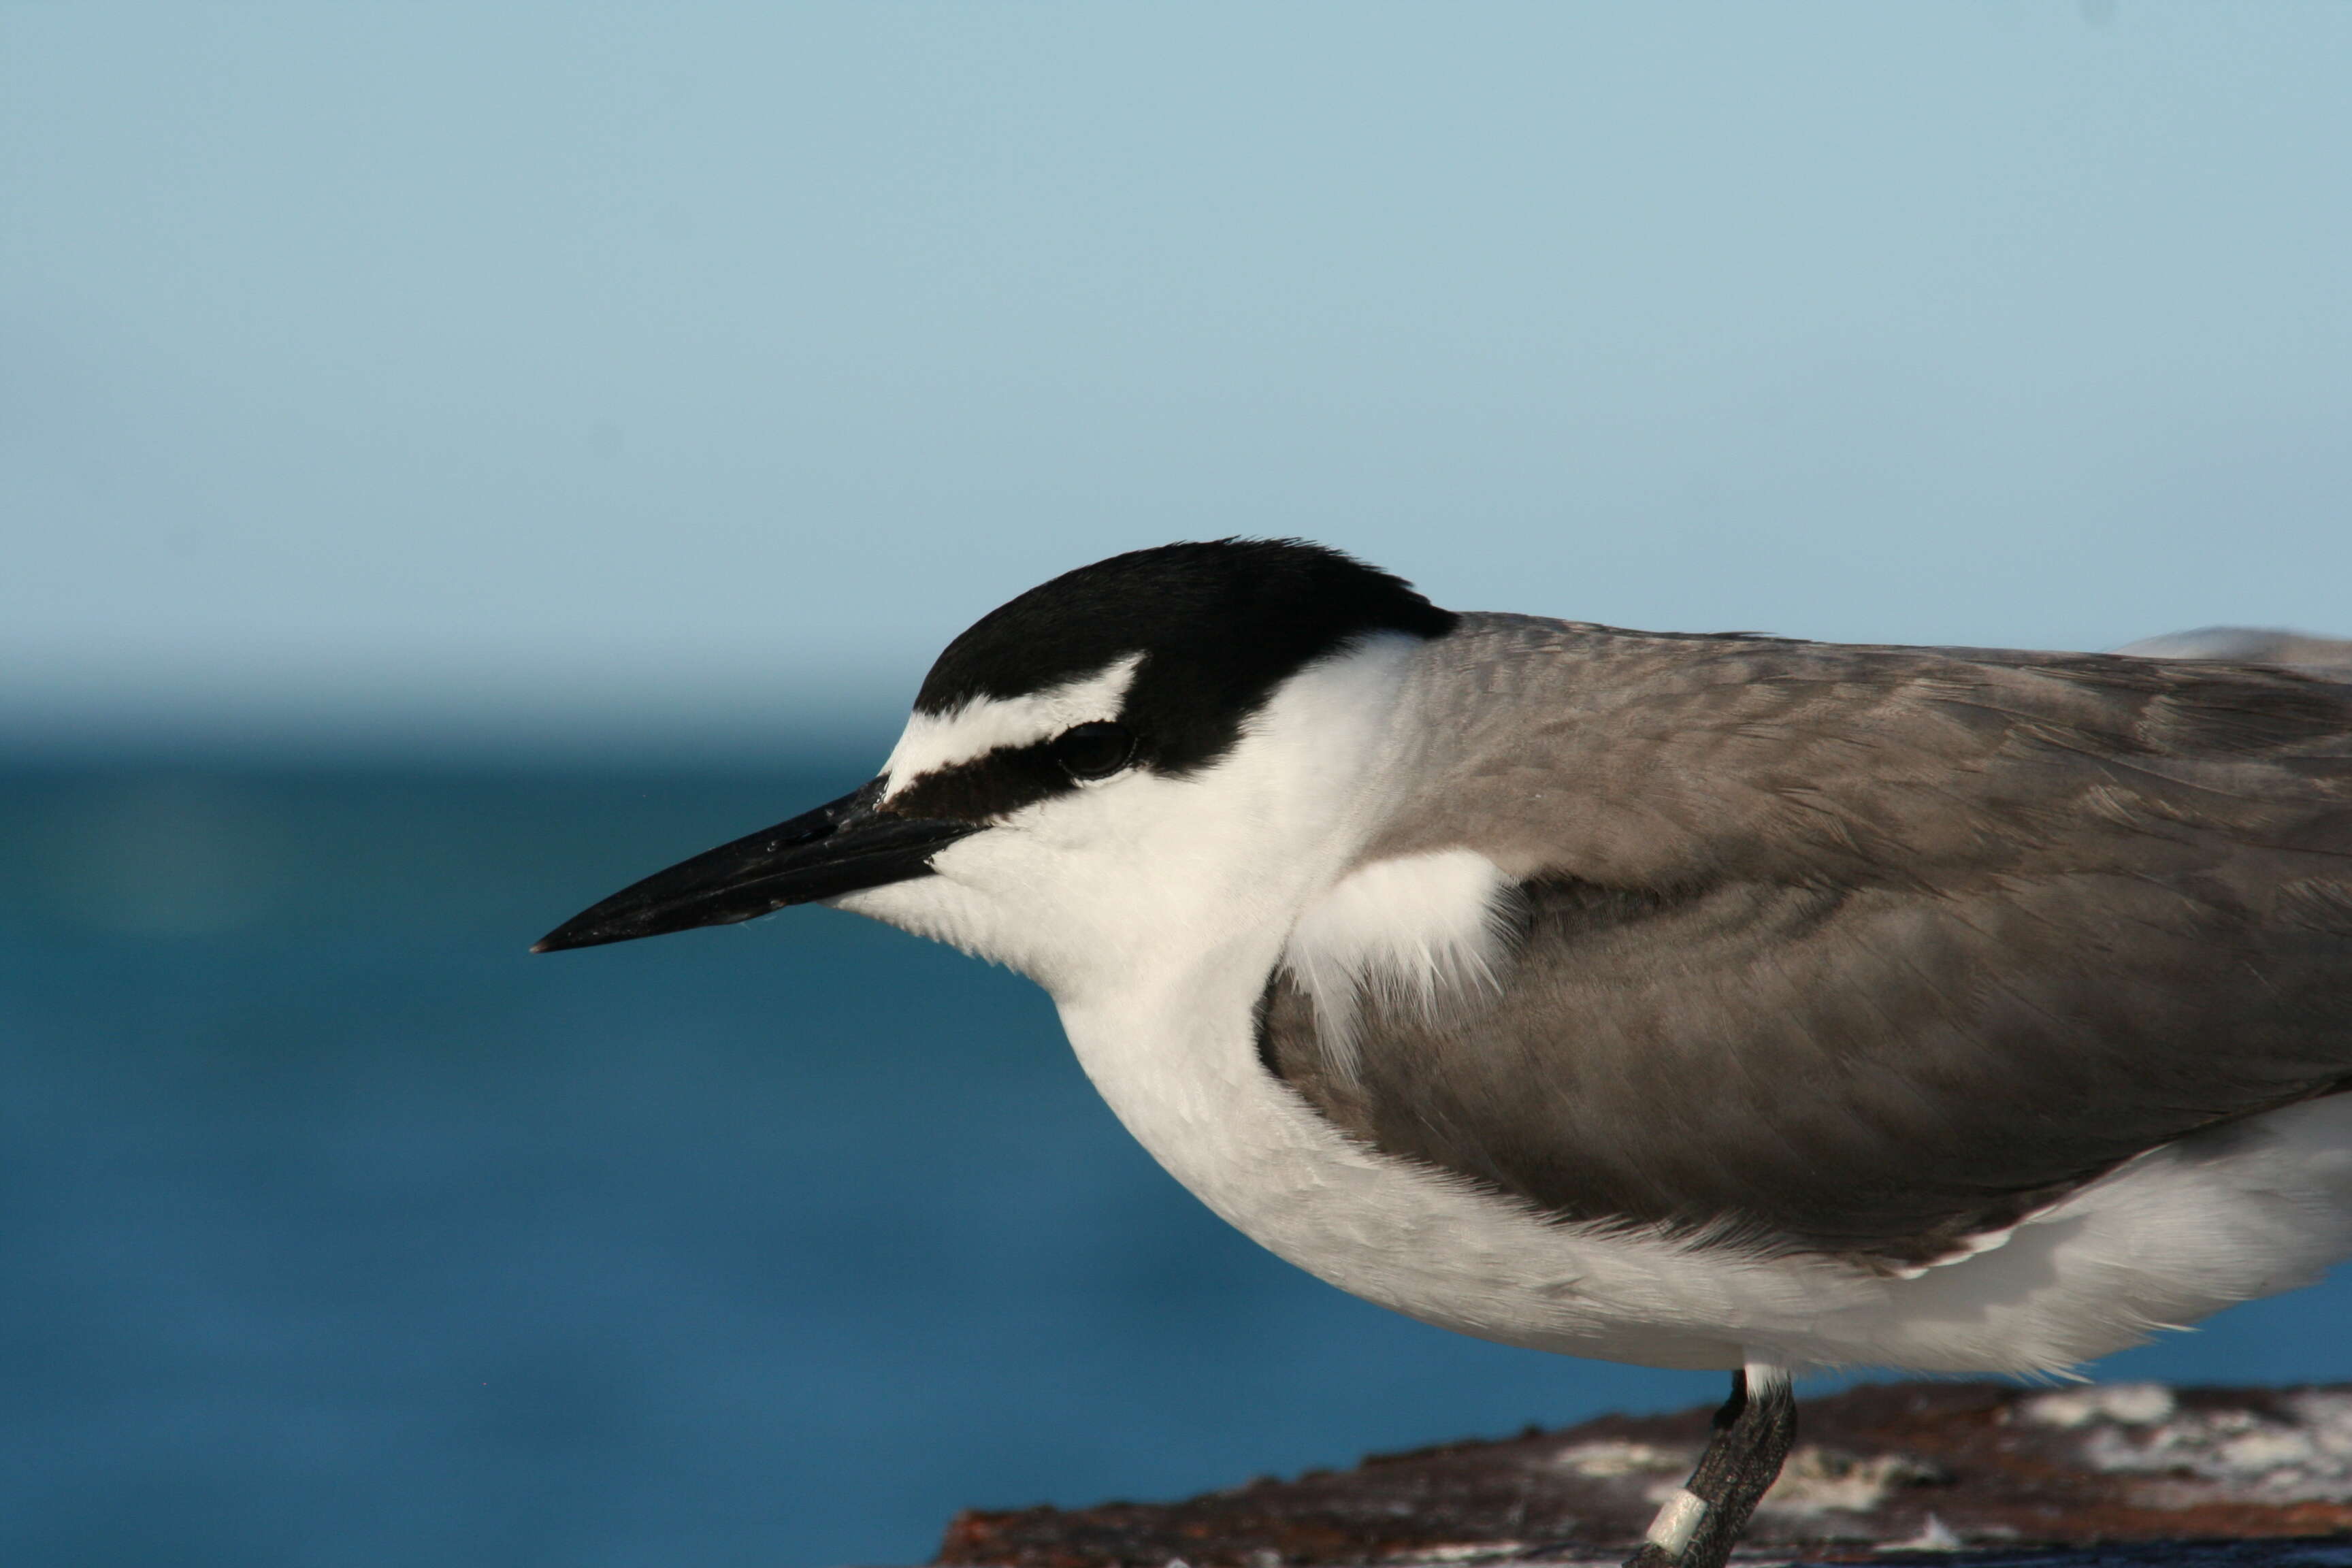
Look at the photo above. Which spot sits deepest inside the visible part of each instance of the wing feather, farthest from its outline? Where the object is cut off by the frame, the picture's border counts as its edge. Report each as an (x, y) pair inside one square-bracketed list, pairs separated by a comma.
[(1860, 950)]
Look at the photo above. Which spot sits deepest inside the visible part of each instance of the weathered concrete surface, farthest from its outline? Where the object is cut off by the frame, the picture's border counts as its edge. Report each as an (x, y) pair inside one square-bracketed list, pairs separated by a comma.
[(1927, 1466)]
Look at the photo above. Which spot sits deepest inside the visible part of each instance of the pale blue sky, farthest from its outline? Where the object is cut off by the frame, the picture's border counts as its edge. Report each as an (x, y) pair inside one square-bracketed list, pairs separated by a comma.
[(594, 363)]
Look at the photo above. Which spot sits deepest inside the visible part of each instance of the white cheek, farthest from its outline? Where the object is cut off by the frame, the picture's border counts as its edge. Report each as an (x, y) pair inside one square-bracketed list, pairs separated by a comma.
[(941, 908), (1141, 880), (1012, 895), (1085, 889)]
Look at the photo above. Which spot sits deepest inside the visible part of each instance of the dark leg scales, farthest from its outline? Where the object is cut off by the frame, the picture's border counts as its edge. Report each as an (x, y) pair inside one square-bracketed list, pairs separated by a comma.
[(1753, 1433)]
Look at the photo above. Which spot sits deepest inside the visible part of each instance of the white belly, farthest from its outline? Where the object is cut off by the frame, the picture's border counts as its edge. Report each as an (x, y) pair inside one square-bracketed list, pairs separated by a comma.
[(2171, 1239)]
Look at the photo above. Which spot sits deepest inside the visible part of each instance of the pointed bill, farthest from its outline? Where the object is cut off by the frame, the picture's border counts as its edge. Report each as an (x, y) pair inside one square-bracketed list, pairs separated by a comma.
[(839, 847)]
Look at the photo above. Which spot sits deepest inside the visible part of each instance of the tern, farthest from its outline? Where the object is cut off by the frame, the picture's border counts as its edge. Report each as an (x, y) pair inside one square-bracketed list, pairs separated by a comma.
[(1695, 1000)]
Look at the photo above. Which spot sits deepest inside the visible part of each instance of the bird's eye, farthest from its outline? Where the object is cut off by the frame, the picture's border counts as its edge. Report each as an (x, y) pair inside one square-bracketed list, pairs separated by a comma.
[(1093, 751)]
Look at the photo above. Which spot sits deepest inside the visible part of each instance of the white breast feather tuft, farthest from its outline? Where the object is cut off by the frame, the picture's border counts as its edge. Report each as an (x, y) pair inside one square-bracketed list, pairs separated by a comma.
[(1421, 930)]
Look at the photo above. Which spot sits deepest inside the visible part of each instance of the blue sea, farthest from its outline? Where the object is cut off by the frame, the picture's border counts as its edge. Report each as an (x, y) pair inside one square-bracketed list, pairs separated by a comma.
[(337, 1230)]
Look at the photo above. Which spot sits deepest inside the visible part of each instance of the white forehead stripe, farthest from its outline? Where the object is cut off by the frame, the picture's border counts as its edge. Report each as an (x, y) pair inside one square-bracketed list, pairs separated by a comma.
[(936, 740)]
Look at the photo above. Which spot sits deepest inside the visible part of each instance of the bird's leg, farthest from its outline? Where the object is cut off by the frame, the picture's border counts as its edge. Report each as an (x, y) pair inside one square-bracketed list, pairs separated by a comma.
[(1700, 1523)]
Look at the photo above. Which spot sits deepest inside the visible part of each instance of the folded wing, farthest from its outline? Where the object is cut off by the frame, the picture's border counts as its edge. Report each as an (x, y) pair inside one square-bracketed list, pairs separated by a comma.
[(1856, 949)]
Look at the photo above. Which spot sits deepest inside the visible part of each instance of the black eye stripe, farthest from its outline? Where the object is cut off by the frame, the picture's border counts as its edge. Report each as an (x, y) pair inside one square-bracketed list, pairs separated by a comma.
[(985, 787), (1005, 780), (991, 786)]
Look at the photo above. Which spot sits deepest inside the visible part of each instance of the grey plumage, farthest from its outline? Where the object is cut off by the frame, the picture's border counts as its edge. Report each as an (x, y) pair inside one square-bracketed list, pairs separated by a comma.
[(1987, 924)]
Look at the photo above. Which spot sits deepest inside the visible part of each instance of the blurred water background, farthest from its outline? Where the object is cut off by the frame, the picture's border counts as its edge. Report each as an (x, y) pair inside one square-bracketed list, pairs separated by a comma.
[(335, 1229)]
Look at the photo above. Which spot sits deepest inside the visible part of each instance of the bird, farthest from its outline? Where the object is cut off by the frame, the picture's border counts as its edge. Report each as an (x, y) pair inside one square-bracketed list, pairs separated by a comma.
[(1701, 1000)]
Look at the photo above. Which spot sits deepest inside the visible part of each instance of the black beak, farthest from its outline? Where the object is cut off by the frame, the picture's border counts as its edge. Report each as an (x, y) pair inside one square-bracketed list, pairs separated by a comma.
[(837, 848)]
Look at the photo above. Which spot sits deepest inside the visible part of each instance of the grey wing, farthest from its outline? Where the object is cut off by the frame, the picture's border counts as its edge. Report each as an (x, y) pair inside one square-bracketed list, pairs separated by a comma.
[(1858, 950)]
